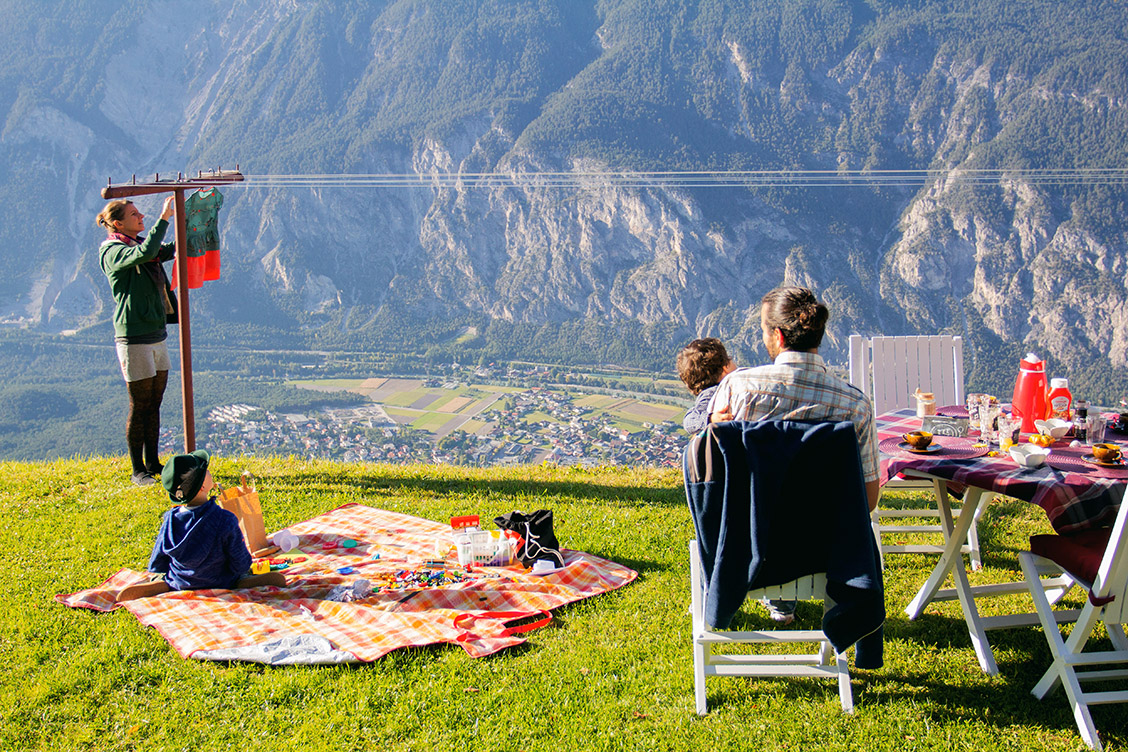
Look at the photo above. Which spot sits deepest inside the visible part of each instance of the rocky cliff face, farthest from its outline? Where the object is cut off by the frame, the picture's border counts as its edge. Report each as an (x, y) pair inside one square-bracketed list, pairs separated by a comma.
[(1030, 262)]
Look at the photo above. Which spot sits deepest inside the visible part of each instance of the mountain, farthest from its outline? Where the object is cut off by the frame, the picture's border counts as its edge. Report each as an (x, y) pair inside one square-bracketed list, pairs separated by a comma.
[(1010, 228)]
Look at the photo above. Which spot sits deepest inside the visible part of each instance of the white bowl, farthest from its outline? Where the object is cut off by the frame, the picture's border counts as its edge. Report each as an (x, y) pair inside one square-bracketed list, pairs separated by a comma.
[(1055, 428), (1029, 455)]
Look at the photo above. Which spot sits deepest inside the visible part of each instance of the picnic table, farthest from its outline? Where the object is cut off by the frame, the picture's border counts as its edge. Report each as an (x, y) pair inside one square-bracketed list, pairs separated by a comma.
[(1075, 495)]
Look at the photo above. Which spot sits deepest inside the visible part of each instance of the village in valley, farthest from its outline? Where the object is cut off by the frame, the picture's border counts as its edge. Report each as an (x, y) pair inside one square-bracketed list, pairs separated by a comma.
[(448, 420)]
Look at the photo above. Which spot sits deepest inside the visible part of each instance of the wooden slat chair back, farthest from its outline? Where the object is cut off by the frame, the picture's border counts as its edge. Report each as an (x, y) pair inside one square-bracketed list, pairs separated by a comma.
[(1071, 663), (889, 370)]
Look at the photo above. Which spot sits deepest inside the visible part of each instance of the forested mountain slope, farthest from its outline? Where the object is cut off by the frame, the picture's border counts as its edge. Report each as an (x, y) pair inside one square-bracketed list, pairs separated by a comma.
[(594, 269)]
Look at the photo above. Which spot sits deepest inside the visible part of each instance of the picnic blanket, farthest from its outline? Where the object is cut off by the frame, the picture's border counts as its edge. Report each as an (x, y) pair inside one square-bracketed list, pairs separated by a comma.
[(412, 603)]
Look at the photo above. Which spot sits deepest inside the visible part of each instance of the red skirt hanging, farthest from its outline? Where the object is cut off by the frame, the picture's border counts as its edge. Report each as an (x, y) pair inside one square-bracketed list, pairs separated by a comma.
[(199, 268)]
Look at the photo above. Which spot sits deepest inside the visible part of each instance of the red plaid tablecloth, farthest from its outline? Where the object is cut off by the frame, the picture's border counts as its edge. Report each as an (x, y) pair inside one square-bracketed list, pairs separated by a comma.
[(1074, 498), (472, 613)]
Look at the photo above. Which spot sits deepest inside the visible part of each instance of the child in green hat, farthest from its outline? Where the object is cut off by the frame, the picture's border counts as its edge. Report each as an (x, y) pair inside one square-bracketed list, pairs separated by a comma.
[(200, 545)]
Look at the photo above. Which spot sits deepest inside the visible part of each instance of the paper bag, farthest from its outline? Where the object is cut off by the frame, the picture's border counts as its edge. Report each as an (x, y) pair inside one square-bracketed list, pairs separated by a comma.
[(243, 502)]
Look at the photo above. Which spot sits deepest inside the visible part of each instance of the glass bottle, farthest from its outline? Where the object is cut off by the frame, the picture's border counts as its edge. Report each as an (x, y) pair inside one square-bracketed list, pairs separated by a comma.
[(1080, 415)]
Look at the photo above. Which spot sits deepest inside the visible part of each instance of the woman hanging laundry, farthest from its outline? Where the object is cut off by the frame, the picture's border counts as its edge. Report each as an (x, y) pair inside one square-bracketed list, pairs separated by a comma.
[(142, 307)]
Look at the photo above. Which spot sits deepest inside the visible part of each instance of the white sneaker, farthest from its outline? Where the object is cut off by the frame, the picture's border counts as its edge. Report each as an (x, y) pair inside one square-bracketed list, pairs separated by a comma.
[(781, 612)]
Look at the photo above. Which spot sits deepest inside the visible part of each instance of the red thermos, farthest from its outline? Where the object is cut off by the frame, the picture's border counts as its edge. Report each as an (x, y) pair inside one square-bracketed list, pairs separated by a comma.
[(1030, 402)]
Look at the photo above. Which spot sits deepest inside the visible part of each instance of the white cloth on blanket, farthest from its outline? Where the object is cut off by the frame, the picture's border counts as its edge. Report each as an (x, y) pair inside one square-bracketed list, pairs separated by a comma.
[(304, 649)]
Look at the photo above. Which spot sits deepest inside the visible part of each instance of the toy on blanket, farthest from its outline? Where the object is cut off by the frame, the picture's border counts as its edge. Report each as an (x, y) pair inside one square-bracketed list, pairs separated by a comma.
[(285, 540), (200, 545), (418, 579)]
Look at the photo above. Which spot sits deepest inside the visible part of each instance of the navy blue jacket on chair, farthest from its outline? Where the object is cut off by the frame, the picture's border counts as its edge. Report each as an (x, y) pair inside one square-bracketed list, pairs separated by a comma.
[(773, 501)]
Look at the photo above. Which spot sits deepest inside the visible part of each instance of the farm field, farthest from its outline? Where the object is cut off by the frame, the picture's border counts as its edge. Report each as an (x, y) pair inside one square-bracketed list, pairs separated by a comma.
[(441, 409)]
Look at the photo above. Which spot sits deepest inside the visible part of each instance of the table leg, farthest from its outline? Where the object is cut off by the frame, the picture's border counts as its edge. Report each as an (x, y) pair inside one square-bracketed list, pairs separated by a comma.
[(973, 533), (954, 540), (975, 629), (1117, 637), (951, 560)]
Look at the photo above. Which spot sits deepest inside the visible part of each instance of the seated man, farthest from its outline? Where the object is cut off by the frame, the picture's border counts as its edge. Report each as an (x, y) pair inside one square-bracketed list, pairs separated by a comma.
[(797, 386)]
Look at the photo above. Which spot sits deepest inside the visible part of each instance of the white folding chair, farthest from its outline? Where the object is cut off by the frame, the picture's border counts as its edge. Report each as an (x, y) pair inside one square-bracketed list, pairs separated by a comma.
[(825, 539), (889, 370), (1107, 603), (825, 662)]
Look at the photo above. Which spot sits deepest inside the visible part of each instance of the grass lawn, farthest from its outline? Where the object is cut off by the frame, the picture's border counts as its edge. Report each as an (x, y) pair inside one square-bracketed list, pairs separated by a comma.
[(401, 416), (613, 672), (327, 383), (651, 412), (473, 426)]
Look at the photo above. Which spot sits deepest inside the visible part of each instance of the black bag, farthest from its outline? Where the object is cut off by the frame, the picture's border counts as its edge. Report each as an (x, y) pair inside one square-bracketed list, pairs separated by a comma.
[(172, 309), (536, 530), (156, 271)]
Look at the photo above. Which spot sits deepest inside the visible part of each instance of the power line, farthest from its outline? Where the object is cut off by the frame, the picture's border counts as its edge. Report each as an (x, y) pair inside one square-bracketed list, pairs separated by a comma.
[(594, 180)]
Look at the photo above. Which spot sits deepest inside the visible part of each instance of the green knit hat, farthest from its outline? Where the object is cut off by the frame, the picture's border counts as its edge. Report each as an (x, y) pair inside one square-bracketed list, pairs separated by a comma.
[(184, 474)]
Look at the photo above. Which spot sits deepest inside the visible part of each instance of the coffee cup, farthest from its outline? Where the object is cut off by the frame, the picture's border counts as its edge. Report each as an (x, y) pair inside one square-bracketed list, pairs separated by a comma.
[(1106, 452), (917, 439)]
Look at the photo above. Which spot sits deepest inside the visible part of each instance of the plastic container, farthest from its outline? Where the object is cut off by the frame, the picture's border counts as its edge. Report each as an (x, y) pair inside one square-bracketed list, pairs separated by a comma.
[(285, 540), (1061, 400), (483, 548)]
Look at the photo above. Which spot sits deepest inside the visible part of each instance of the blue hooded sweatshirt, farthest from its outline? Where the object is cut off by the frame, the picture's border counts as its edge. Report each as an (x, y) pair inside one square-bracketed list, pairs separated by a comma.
[(200, 547)]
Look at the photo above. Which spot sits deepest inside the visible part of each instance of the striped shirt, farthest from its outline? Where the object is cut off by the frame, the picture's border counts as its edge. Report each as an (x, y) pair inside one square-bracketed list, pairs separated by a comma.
[(797, 386)]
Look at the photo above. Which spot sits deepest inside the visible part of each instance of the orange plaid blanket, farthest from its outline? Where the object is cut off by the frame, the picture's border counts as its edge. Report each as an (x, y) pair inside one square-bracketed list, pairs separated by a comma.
[(473, 609)]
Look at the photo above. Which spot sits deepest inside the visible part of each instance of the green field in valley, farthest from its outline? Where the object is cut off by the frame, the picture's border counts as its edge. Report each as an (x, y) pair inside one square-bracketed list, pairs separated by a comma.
[(438, 407)]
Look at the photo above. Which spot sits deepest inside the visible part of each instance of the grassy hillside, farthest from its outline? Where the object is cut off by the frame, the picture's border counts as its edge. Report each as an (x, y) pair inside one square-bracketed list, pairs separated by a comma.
[(610, 673)]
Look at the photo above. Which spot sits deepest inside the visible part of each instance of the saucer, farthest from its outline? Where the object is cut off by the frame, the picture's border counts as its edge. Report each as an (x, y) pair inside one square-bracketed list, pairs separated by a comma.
[(1090, 459), (930, 449)]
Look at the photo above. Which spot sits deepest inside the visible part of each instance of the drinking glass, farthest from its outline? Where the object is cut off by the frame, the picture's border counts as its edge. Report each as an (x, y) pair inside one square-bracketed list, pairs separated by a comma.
[(1009, 427), (973, 412), (1095, 429), (988, 417)]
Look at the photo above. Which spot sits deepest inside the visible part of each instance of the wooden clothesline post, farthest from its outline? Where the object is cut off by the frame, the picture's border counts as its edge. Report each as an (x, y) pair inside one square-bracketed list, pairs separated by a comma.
[(178, 187)]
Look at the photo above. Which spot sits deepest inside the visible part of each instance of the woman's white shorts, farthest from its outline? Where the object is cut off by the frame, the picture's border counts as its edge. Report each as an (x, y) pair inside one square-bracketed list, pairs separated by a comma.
[(142, 361)]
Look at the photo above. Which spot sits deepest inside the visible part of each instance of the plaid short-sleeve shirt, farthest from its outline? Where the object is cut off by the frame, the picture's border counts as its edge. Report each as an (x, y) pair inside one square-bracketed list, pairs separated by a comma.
[(797, 386)]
